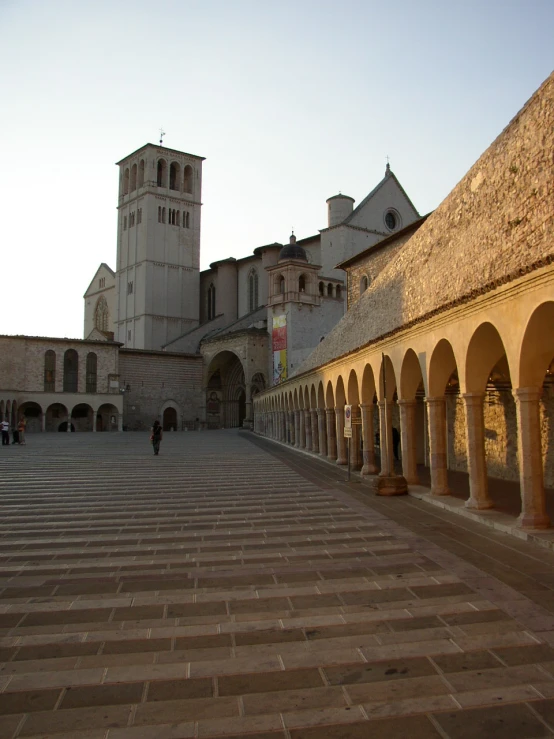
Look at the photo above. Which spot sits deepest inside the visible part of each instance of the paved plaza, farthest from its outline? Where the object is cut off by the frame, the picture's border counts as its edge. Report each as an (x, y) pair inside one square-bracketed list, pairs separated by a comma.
[(233, 587)]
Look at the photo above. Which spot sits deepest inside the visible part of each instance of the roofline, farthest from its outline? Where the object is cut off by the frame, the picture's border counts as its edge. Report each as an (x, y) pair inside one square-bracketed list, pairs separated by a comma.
[(414, 225), (160, 352), (102, 264), (59, 339), (157, 146)]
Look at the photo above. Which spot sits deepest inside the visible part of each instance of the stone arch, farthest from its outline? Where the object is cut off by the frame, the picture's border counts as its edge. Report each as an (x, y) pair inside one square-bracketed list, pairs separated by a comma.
[(340, 393), (174, 176), (56, 414), (442, 367), (368, 385), (141, 173), (537, 347), (320, 395), (313, 397), (364, 284), (295, 403), (188, 179), (71, 371), (388, 378), (329, 395), (106, 418), (133, 177), (411, 376), (225, 375), (126, 177), (82, 416), (33, 416), (161, 173), (170, 415), (353, 389), (484, 352)]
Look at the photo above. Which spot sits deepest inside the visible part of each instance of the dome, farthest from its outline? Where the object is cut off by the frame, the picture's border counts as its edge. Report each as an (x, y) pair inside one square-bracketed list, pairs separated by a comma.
[(292, 250)]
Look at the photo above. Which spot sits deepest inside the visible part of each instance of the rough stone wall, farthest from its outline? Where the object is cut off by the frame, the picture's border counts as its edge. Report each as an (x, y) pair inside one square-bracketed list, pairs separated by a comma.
[(547, 433), (372, 265), (496, 223), (456, 429), (22, 362), (155, 378)]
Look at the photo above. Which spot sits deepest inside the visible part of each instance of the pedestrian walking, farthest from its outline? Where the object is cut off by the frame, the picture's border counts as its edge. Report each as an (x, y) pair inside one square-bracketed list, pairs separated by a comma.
[(21, 430), (156, 436), (15, 435), (5, 426)]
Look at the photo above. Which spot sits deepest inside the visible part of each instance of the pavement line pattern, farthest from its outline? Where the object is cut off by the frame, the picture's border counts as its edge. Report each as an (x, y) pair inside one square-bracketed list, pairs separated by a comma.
[(215, 591)]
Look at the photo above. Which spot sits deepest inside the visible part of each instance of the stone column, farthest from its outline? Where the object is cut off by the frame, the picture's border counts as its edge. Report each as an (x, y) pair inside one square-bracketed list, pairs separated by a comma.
[(93, 421), (69, 422), (308, 429), (369, 466), (292, 428), (297, 429), (331, 433), (385, 438), (531, 478), (119, 422), (43, 421), (407, 410), (284, 427), (247, 423), (341, 441), (322, 431), (356, 461), (302, 430), (315, 432), (436, 418), (475, 446)]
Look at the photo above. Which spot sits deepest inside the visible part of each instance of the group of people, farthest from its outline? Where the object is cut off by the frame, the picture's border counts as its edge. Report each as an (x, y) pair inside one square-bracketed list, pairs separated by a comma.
[(18, 432)]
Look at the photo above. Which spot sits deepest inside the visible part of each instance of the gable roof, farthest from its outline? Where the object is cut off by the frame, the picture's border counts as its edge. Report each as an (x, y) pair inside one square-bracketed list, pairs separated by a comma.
[(389, 175), (102, 265)]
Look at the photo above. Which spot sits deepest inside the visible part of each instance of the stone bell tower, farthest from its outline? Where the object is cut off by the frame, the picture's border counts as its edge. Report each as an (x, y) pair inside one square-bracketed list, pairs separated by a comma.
[(158, 246)]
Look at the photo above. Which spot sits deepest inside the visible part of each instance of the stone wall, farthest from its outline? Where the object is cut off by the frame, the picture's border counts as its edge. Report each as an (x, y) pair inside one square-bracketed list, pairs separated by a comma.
[(155, 379), (495, 225)]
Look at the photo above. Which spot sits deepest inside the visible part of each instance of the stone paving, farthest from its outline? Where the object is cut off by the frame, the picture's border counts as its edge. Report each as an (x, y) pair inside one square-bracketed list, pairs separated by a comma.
[(234, 588)]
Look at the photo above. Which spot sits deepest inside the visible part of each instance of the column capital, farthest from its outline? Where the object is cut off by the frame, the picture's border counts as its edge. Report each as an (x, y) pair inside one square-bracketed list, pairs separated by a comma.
[(363, 406), (473, 399), (407, 403), (436, 400), (527, 394)]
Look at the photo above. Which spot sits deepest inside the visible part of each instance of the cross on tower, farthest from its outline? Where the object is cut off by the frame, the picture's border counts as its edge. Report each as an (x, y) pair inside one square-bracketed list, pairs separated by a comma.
[(162, 134)]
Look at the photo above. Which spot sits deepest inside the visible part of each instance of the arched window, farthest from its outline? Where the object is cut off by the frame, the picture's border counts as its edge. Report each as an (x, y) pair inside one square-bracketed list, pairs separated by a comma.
[(321, 288), (364, 284), (329, 290), (187, 184), (126, 182), (50, 371), (141, 173), (187, 220), (163, 215), (178, 219), (101, 314), (133, 177), (174, 176), (91, 372), (252, 290), (211, 301), (282, 285), (302, 284), (338, 293), (70, 371), (162, 173)]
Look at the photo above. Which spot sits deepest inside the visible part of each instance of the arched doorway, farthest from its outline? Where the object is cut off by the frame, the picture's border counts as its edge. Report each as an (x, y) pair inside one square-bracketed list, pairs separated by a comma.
[(55, 415), (33, 417), (169, 421), (225, 392), (106, 418)]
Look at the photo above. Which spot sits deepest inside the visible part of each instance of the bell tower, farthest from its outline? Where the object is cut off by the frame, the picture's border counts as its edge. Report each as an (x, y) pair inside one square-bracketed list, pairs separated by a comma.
[(158, 246)]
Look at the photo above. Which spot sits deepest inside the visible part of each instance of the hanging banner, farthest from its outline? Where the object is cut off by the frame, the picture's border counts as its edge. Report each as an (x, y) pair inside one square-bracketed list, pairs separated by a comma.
[(279, 347)]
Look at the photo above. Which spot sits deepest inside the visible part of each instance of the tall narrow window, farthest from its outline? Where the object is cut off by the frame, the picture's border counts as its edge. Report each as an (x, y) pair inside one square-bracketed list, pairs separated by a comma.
[(252, 290), (130, 287), (101, 314), (329, 290), (133, 177), (211, 302), (174, 176), (302, 284), (187, 183), (50, 371), (91, 372), (162, 173), (364, 284), (338, 293), (124, 223), (126, 182), (178, 220), (163, 215), (187, 225), (141, 173), (282, 285), (70, 371), (321, 288)]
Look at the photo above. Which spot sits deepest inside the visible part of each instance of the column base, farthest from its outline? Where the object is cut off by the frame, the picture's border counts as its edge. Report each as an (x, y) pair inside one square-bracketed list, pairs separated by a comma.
[(390, 485), (439, 491), (479, 505), (533, 521), (369, 469), (341, 461), (413, 480)]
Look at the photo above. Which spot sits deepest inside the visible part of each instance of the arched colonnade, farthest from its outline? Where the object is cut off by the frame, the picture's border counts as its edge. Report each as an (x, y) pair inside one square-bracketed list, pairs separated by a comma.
[(471, 390), (60, 416)]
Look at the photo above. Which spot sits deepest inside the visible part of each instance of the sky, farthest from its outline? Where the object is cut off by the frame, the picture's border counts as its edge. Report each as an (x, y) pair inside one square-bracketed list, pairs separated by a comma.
[(290, 103)]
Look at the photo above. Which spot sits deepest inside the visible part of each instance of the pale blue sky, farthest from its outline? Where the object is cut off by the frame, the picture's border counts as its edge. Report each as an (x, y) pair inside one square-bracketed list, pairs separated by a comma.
[(289, 102)]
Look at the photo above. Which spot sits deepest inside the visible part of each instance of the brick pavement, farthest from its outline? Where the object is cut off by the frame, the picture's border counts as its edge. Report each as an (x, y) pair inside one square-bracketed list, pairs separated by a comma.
[(232, 587)]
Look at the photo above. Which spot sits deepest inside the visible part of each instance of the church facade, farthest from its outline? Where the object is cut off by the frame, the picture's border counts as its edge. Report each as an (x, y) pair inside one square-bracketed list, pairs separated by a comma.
[(247, 323)]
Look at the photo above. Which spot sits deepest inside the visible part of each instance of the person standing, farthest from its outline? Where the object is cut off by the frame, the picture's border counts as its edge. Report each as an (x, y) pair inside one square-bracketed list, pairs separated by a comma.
[(21, 429), (5, 426), (156, 436)]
